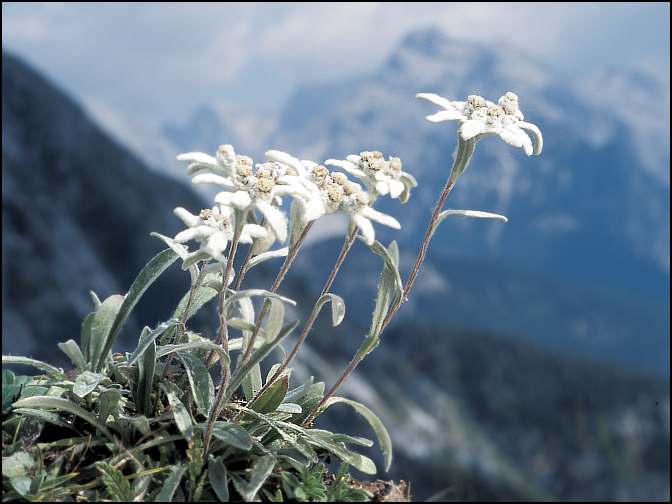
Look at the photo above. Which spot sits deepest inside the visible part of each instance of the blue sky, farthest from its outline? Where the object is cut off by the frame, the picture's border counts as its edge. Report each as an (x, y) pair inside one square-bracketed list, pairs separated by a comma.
[(162, 60)]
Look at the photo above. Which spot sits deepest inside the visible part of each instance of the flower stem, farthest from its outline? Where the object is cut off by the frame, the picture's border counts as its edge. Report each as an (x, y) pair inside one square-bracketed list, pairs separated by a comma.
[(465, 150), (422, 252), (224, 338), (241, 274), (348, 371), (347, 245), (243, 266), (293, 251), (185, 316)]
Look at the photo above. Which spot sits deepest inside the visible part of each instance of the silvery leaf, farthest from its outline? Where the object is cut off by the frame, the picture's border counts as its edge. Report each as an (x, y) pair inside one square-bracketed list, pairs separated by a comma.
[(170, 485), (202, 386), (71, 349), (108, 400), (272, 254), (337, 307), (218, 478), (86, 383), (378, 428), (181, 415), (64, 405), (154, 268)]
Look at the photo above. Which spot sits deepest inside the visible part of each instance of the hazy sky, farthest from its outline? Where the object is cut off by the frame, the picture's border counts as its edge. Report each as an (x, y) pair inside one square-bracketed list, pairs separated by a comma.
[(163, 60)]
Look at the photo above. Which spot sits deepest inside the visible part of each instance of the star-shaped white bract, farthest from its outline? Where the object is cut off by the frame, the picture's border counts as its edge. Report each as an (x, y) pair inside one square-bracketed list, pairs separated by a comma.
[(222, 164), (382, 177), (479, 117), (245, 188), (315, 191), (326, 192), (213, 229)]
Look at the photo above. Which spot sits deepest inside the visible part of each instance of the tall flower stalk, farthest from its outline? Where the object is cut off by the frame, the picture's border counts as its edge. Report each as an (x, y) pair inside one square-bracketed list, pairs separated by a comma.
[(280, 277), (312, 317), (382, 177), (179, 330), (225, 371), (317, 191), (478, 118), (461, 161)]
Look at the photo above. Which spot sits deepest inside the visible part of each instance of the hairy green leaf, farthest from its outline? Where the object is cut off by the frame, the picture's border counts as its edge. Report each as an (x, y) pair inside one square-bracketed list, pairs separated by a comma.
[(108, 400), (202, 387), (74, 353), (45, 416), (42, 366), (171, 483), (146, 369), (218, 478), (337, 307), (260, 472), (86, 383), (101, 325), (148, 336), (86, 335), (265, 256), (233, 435), (181, 415), (182, 253), (272, 397), (391, 262), (389, 288), (379, 429), (289, 408), (154, 268), (252, 382), (64, 405), (477, 214), (200, 298), (465, 149), (275, 319), (288, 432), (118, 488), (19, 464), (356, 460)]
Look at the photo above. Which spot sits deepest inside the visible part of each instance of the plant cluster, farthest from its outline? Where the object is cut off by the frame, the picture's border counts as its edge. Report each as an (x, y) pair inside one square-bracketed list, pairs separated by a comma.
[(185, 417)]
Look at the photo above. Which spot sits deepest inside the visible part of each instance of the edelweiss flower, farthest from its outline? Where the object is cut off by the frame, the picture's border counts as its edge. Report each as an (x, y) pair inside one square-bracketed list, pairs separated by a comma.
[(320, 192), (479, 117), (356, 206), (213, 228), (245, 188), (222, 164), (342, 195), (381, 176)]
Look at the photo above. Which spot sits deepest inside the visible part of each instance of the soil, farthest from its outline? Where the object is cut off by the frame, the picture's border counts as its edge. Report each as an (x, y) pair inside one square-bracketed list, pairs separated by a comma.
[(386, 491)]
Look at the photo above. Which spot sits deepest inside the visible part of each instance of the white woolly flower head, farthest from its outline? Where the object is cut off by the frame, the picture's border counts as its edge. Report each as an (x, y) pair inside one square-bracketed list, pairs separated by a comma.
[(246, 187), (357, 206), (381, 176), (330, 192), (479, 117), (316, 191), (213, 228)]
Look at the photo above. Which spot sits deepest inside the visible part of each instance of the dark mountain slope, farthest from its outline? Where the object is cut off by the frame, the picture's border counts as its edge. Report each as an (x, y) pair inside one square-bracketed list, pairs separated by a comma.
[(77, 210)]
